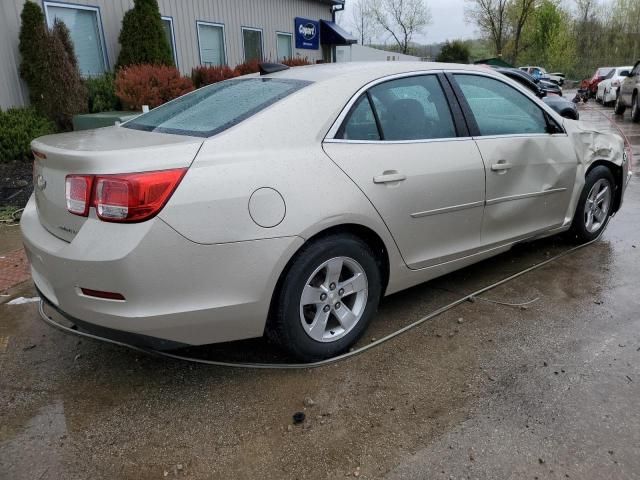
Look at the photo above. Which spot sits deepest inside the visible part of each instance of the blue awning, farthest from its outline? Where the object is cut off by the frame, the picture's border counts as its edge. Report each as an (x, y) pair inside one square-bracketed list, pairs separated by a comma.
[(332, 34)]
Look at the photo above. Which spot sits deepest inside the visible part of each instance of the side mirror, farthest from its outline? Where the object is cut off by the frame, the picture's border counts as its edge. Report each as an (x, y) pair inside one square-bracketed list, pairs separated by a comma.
[(624, 73), (552, 126), (541, 93)]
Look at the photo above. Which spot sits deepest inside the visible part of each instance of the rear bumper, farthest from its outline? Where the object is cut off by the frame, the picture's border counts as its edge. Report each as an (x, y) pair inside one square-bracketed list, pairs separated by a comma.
[(175, 290), (136, 339)]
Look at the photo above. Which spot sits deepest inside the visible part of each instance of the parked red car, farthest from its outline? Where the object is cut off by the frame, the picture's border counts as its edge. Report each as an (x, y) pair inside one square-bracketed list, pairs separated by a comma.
[(591, 84)]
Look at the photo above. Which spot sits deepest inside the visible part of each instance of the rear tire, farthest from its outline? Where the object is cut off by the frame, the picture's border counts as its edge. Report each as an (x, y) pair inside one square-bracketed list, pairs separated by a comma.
[(619, 107), (341, 282), (594, 205), (635, 108)]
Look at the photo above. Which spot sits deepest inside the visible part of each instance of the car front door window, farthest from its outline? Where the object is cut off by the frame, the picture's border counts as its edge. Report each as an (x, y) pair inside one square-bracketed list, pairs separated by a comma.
[(500, 109)]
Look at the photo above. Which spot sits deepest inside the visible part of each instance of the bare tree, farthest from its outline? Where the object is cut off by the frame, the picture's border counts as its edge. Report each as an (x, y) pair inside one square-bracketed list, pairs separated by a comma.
[(401, 19), (491, 18), (363, 21), (522, 11)]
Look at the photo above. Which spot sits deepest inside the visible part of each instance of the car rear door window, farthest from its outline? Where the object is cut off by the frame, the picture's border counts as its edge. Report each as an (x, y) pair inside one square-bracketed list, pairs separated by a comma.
[(413, 108), (500, 109)]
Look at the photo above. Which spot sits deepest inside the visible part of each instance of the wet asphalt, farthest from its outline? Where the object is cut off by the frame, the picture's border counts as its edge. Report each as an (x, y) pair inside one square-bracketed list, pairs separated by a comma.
[(483, 391)]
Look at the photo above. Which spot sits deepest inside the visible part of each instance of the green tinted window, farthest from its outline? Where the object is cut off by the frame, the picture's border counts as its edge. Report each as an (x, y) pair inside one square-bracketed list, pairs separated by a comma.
[(361, 124), (500, 109), (413, 108), (216, 107)]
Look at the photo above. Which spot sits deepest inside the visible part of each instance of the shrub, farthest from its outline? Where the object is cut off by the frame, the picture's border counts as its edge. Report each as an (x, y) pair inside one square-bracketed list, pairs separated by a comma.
[(142, 38), (456, 51), (150, 85), (18, 126), (58, 91), (251, 66), (102, 93), (296, 61), (32, 47), (50, 69), (202, 75)]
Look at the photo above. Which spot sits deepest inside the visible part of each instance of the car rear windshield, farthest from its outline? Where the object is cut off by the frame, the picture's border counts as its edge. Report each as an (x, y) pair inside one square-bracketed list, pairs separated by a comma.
[(215, 108)]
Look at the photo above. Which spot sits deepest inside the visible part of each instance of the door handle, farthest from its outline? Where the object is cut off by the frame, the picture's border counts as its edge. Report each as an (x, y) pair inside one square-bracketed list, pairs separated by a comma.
[(501, 166), (389, 176)]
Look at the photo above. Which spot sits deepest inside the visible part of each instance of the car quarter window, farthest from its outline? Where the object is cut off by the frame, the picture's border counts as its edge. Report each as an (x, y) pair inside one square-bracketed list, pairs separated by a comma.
[(500, 109), (411, 108), (361, 122)]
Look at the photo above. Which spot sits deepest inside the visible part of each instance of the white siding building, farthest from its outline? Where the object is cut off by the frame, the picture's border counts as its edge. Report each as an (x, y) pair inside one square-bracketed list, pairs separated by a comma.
[(360, 53), (200, 32)]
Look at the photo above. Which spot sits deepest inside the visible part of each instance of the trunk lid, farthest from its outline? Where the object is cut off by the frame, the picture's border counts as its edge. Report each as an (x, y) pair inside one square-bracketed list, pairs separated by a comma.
[(104, 151)]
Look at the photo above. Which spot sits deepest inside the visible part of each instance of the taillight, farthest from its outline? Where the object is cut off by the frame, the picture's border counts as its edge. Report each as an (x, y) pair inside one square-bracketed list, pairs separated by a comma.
[(134, 197), (78, 194)]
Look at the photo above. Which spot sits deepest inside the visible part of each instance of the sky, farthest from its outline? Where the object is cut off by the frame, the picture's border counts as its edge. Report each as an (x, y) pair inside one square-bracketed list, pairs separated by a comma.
[(447, 22)]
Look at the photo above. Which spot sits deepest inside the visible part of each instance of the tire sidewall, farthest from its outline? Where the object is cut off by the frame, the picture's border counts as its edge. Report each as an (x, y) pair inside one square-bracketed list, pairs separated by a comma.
[(618, 108), (578, 227), (635, 108), (292, 335)]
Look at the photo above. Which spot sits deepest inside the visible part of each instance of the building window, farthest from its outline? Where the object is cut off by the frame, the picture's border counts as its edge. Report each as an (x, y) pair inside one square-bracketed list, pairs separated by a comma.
[(284, 47), (167, 24), (252, 43), (85, 29), (211, 43)]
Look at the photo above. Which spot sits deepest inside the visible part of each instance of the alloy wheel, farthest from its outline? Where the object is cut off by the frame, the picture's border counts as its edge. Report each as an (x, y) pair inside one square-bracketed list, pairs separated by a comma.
[(333, 299), (597, 205)]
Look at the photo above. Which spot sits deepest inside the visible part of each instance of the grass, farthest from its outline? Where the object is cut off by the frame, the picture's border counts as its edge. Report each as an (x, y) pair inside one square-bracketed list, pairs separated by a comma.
[(6, 214)]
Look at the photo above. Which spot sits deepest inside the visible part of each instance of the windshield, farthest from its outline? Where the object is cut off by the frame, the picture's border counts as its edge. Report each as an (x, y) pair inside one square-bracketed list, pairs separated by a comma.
[(214, 108)]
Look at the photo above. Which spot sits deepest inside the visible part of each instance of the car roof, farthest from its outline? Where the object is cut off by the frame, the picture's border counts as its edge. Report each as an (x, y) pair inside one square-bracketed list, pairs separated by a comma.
[(365, 71)]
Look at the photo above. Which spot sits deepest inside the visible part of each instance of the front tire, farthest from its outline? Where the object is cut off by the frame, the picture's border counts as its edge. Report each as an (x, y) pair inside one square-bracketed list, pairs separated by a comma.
[(327, 299), (635, 108), (619, 107), (594, 206)]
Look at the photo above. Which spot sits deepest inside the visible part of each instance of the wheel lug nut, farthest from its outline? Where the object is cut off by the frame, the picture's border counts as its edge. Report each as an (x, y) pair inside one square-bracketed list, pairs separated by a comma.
[(323, 296), (341, 292), (332, 286), (337, 305), (326, 308)]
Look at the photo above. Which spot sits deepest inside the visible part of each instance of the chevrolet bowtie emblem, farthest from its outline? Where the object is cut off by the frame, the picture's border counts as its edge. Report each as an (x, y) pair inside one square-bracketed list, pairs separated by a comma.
[(41, 183)]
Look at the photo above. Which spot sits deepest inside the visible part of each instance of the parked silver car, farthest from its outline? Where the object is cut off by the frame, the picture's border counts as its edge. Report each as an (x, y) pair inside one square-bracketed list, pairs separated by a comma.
[(629, 94), (290, 203)]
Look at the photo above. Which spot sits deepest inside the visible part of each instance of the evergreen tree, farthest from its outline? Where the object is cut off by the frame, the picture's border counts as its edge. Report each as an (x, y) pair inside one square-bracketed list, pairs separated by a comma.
[(454, 52), (142, 38), (32, 49), (67, 94)]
